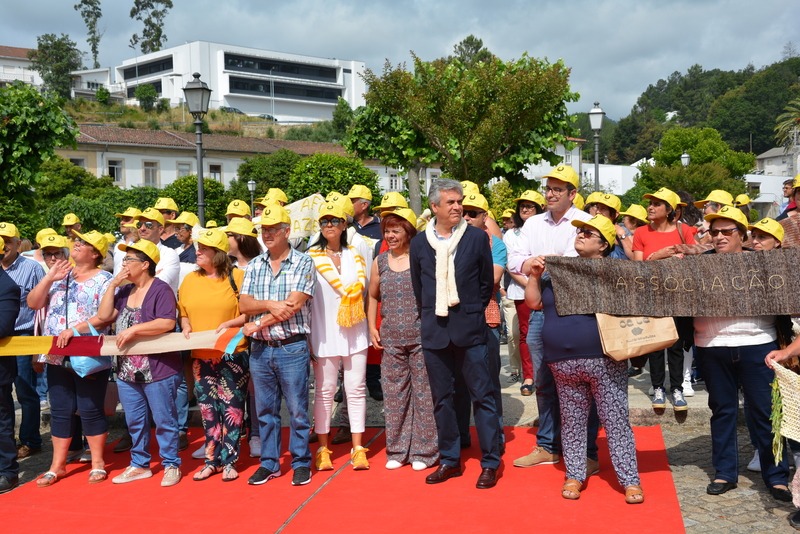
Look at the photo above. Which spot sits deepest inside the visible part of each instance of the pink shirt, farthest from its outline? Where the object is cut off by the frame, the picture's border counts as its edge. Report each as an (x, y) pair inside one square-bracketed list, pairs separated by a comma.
[(542, 236)]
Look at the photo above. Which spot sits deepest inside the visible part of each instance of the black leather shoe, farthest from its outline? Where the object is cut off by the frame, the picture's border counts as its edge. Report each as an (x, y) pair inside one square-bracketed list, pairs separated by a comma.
[(488, 478), (779, 494), (183, 441), (375, 391), (313, 437), (342, 436), (718, 488), (794, 520), (442, 473), (8, 483)]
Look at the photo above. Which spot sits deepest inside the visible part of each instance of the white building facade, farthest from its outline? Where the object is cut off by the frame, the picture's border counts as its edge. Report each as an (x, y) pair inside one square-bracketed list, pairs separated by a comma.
[(15, 65), (290, 87)]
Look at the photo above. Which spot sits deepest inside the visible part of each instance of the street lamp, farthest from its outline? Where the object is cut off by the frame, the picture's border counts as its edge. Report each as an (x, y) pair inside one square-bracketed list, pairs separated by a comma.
[(251, 186), (596, 123), (272, 91), (685, 159), (198, 96)]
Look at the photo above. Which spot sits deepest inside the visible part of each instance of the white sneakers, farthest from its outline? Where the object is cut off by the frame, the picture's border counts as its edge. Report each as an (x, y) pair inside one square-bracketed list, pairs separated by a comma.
[(172, 475), (688, 391), (132, 473)]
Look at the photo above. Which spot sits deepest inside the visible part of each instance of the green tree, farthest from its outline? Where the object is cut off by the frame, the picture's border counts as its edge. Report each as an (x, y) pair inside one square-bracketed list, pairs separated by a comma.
[(268, 170), (787, 126), (703, 145), (94, 215), (470, 51), (146, 95), (91, 13), (184, 192), (27, 221), (102, 95), (32, 125), (491, 119), (319, 132), (152, 14), (699, 180), (54, 59), (323, 173), (342, 118)]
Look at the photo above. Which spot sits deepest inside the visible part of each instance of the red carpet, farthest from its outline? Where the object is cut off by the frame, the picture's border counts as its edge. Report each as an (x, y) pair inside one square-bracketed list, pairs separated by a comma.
[(377, 500)]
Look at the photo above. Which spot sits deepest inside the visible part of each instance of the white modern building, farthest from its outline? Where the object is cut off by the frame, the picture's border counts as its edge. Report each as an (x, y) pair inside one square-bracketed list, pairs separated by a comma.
[(780, 162), (290, 87), (15, 65)]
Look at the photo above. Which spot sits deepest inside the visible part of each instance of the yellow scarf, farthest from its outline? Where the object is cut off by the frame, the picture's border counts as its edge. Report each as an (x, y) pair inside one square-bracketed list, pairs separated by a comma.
[(351, 307)]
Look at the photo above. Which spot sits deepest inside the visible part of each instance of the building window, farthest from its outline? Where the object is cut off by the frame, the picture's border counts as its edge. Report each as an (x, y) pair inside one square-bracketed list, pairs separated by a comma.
[(283, 90), (151, 173), (754, 189), (270, 66), (115, 170), (215, 172), (568, 157), (156, 85), (144, 69), (79, 162), (184, 169), (394, 183)]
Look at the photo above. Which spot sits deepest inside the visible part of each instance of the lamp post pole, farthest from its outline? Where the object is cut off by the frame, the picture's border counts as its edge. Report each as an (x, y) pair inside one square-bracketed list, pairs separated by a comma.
[(201, 200), (596, 123), (272, 91), (198, 96)]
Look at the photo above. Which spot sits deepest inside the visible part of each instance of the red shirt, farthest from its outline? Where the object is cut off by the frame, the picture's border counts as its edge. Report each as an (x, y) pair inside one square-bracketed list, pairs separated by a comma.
[(647, 240)]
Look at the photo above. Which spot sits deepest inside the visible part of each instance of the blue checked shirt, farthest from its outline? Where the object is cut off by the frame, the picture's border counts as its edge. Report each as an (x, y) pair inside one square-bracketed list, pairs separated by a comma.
[(26, 273), (297, 273)]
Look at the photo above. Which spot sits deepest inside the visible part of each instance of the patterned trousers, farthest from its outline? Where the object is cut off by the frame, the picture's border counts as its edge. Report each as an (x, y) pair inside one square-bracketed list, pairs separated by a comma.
[(605, 380), (220, 386), (408, 406)]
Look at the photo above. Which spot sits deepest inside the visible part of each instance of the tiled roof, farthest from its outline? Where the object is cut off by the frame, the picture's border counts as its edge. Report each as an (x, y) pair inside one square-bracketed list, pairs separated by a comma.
[(13, 51), (95, 134), (772, 153)]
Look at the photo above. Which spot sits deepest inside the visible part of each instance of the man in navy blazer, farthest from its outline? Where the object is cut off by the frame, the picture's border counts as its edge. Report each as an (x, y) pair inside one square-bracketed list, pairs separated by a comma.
[(452, 276)]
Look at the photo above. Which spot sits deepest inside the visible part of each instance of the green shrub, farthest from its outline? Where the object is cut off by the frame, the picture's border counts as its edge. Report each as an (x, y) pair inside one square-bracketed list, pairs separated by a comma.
[(162, 106), (152, 124)]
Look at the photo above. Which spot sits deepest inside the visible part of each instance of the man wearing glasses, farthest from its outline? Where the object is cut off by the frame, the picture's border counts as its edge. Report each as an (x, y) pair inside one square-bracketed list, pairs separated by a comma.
[(550, 234), (149, 225), (169, 211), (184, 223)]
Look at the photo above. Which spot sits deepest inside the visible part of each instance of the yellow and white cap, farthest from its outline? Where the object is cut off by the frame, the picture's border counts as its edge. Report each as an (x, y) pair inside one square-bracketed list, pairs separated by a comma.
[(186, 217), (532, 196), (343, 201), (668, 196), (637, 212), (730, 213), (602, 225), (165, 203), (214, 238), (96, 239), (52, 240), (470, 187), (274, 214), (331, 209), (770, 226), (565, 173), (392, 200), (211, 224), (507, 214), (717, 195), (360, 191), (742, 200), (130, 212), (8, 230), (238, 207), (147, 247), (70, 219), (242, 226), (43, 232), (476, 200), (404, 213), (151, 214)]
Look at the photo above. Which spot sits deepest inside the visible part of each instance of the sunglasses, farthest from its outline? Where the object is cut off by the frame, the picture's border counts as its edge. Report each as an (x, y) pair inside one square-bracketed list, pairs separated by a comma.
[(527, 207), (128, 259), (333, 222), (473, 213), (46, 255), (149, 224), (588, 233), (727, 232)]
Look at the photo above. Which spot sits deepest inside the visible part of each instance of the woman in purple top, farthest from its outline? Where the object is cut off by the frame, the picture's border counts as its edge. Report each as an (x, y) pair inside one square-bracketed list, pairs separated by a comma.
[(145, 307)]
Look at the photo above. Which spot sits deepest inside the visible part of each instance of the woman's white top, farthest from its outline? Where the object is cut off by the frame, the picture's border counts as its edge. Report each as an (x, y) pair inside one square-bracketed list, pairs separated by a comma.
[(734, 331), (327, 337), (514, 291)]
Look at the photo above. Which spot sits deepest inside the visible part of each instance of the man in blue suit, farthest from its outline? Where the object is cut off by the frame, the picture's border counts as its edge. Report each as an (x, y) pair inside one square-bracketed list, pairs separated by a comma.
[(451, 272)]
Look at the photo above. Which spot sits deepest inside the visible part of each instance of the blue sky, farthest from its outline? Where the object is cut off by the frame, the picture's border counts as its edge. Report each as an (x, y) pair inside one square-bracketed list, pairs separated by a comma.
[(614, 48)]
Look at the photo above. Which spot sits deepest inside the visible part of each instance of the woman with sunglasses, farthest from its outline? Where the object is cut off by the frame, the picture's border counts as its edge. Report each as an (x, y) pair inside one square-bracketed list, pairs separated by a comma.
[(731, 352), (340, 332), (72, 296), (208, 301), (583, 373), (529, 203)]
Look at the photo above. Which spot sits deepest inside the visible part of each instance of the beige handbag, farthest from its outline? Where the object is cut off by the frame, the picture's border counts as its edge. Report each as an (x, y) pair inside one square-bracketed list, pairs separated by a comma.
[(627, 337)]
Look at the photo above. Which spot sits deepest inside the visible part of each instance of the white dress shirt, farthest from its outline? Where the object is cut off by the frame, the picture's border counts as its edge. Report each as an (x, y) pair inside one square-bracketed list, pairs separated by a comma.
[(542, 236)]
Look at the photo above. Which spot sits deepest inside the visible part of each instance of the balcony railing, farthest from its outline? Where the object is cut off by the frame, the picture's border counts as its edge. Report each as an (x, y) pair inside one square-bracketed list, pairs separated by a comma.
[(10, 77)]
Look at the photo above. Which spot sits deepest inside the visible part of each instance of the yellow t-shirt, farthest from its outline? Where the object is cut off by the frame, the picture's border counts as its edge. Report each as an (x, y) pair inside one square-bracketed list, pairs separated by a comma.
[(209, 302)]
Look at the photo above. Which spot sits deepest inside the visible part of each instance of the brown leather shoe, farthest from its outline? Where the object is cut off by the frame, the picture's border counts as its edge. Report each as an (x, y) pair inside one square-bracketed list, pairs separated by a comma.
[(442, 473), (342, 436), (23, 451), (488, 478), (124, 444)]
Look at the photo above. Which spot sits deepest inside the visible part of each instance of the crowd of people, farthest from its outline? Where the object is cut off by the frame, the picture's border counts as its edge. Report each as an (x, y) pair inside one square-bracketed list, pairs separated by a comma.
[(404, 308)]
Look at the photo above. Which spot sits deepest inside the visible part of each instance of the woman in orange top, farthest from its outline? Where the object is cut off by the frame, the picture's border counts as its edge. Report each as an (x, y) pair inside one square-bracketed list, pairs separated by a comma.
[(208, 301)]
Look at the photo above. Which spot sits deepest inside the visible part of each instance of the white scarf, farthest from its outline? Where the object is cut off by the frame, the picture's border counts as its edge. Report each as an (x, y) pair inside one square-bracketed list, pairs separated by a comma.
[(446, 290)]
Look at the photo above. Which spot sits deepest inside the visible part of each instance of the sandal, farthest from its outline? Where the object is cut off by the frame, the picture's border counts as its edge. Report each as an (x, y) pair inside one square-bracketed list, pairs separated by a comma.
[(634, 495), (206, 472), (48, 479), (229, 473), (101, 473), (526, 390), (572, 489)]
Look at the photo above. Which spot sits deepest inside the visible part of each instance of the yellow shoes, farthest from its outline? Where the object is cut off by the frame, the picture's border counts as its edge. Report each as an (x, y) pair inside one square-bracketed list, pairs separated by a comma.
[(359, 458), (324, 459)]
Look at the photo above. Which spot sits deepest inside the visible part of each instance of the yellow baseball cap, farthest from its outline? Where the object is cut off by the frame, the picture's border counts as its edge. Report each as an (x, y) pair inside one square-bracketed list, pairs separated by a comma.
[(151, 214), (507, 214), (52, 240), (211, 224), (8, 230), (241, 226), (96, 239), (565, 173), (392, 200), (637, 212), (730, 213), (796, 183), (110, 238), (532, 196), (274, 214), (404, 213), (130, 212), (579, 202), (593, 197), (165, 203), (607, 199), (331, 209), (343, 201), (44, 232), (214, 238), (147, 247), (742, 200), (238, 207), (70, 219), (469, 187), (770, 226), (476, 200), (668, 196), (274, 193), (717, 195), (186, 217), (601, 224), (360, 191)]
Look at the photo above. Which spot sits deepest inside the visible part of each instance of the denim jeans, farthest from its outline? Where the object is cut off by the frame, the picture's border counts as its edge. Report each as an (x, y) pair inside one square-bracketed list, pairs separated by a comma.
[(25, 384), (159, 397), (275, 371), (8, 450), (548, 435), (724, 369)]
